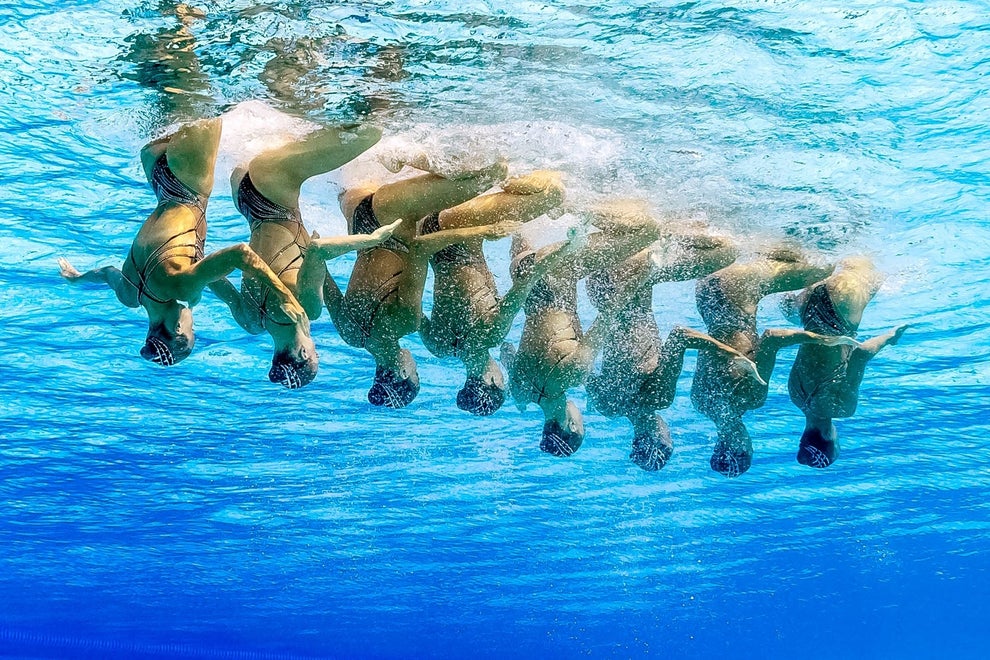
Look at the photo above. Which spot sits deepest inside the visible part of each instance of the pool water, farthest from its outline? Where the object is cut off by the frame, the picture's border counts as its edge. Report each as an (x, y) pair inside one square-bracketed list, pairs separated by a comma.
[(201, 511)]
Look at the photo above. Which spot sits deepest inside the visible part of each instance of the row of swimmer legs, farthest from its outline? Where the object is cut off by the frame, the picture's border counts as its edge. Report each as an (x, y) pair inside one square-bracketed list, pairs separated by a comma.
[(404, 228)]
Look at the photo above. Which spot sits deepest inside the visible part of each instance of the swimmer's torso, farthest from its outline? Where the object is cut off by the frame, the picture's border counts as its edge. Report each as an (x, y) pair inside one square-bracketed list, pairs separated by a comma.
[(174, 233), (717, 390), (821, 383), (465, 297), (279, 237), (372, 305), (551, 358)]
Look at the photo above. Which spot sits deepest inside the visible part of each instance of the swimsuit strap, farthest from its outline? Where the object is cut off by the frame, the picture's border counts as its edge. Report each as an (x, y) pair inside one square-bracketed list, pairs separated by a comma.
[(294, 264)]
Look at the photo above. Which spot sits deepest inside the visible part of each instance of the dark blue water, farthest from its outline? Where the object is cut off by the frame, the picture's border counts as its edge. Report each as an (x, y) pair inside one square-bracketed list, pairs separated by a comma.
[(203, 512)]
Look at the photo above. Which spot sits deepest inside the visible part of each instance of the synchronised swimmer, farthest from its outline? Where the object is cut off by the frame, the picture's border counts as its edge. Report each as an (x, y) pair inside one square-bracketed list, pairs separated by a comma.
[(431, 220)]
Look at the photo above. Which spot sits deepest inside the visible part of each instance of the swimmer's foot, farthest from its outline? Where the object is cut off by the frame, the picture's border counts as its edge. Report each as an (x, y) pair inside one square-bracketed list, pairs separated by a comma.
[(394, 161), (650, 452), (817, 452), (731, 461)]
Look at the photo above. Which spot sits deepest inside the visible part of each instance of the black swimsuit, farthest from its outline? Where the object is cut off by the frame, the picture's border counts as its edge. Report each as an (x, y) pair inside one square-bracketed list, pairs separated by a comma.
[(258, 210), (170, 191), (819, 314), (364, 221), (457, 254), (722, 317)]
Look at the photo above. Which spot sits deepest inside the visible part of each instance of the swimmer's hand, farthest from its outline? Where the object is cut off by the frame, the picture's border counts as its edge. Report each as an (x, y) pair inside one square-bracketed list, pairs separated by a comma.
[(68, 271), (502, 229), (384, 233), (741, 366), (840, 340), (292, 309), (577, 240)]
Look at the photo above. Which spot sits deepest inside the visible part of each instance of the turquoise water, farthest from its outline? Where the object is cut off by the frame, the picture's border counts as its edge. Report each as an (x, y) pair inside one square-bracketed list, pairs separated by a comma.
[(202, 512)]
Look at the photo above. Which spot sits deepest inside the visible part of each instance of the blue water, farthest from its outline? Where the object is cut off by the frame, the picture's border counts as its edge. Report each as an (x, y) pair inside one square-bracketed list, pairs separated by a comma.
[(202, 512)]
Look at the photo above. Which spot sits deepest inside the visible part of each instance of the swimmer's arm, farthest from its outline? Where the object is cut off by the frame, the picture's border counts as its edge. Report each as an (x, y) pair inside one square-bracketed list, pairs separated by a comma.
[(226, 292), (778, 338), (433, 243), (193, 279), (331, 248), (109, 275), (775, 339)]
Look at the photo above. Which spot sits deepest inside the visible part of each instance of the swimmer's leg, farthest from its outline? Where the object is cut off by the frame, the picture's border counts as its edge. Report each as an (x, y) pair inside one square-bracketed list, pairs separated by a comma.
[(733, 453), (418, 197), (786, 270), (543, 191), (696, 255), (109, 275), (192, 154), (605, 249), (652, 446), (523, 281), (279, 173)]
